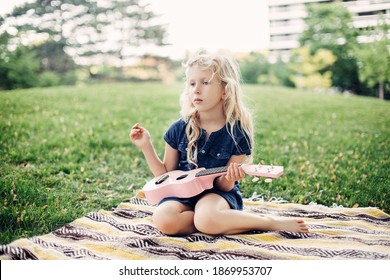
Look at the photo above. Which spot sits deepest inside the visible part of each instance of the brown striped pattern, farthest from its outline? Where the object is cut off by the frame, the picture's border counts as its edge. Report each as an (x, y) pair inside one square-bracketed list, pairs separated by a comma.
[(127, 233)]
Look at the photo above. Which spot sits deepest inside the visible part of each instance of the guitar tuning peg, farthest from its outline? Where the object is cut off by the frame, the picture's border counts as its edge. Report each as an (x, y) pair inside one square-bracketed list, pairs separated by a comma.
[(268, 180)]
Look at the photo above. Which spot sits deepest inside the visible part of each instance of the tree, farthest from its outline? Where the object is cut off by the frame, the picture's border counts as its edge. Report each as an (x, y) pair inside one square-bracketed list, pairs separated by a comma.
[(53, 57), (374, 58), (312, 70), (281, 73), (252, 66), (329, 26), (18, 69), (134, 26), (89, 30)]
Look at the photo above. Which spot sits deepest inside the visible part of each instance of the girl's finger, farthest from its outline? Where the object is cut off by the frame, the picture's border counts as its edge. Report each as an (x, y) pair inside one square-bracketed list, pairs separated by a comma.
[(242, 173), (236, 171), (136, 126), (228, 173)]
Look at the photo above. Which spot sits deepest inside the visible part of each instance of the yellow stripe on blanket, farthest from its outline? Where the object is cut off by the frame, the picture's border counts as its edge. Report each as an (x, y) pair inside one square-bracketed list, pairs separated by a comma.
[(128, 233)]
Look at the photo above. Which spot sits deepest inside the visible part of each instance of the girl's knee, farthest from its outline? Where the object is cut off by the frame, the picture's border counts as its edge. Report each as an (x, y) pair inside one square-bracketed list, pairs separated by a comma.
[(167, 224), (209, 215), (168, 218), (206, 222)]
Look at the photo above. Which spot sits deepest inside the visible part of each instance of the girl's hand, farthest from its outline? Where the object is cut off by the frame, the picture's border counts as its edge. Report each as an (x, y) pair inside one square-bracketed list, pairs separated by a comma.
[(139, 136), (234, 172)]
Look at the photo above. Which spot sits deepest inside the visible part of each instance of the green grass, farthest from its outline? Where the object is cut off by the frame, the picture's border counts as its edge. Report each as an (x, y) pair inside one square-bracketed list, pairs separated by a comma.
[(65, 151)]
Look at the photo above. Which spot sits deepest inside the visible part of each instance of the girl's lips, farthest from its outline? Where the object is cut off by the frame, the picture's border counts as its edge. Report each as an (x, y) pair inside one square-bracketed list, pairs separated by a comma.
[(197, 100)]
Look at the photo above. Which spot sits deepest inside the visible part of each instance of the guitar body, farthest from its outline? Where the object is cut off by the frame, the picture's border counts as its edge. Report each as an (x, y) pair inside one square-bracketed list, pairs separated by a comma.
[(186, 184), (179, 184)]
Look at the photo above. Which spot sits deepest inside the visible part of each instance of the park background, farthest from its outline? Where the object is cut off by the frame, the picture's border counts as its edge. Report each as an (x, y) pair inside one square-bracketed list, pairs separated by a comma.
[(75, 75)]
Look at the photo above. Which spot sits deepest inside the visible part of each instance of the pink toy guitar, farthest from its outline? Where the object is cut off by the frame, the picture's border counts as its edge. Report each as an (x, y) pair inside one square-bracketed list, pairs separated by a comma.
[(191, 183)]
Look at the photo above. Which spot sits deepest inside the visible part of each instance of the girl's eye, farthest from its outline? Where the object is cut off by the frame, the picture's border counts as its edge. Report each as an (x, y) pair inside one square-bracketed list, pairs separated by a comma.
[(206, 83)]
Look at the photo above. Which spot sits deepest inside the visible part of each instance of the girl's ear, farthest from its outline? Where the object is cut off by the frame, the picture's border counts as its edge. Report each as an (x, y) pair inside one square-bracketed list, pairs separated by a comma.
[(224, 95)]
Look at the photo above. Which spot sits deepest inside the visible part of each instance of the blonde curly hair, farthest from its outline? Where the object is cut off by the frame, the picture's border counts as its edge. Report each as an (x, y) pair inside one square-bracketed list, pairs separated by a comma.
[(227, 70)]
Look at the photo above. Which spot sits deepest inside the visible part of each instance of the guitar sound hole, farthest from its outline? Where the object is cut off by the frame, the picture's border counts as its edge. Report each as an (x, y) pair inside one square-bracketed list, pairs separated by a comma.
[(162, 179), (182, 177)]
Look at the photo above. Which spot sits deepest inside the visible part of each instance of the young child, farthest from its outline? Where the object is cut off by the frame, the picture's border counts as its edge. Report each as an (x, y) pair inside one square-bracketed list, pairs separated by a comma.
[(215, 130)]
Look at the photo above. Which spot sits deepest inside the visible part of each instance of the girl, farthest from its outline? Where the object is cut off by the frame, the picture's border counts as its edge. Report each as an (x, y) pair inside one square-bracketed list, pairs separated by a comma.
[(215, 130)]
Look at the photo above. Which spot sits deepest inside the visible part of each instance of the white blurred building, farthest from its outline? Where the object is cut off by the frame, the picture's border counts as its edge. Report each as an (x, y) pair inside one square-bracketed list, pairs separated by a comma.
[(286, 19)]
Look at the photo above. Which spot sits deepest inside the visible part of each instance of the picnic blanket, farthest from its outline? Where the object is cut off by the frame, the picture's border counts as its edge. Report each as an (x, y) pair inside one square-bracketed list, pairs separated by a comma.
[(128, 233)]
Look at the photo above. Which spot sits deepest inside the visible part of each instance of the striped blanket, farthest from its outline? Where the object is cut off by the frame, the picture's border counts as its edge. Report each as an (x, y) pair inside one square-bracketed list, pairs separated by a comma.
[(128, 233)]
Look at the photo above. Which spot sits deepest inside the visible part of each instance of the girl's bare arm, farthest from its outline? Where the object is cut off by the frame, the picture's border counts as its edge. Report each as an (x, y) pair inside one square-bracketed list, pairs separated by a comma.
[(141, 138)]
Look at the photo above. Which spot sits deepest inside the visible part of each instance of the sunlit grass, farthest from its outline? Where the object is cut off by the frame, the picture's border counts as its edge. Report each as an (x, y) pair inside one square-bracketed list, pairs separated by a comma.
[(65, 151)]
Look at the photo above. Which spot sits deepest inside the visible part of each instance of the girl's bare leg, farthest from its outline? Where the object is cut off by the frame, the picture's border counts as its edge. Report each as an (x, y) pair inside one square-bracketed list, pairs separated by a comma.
[(214, 216), (174, 218)]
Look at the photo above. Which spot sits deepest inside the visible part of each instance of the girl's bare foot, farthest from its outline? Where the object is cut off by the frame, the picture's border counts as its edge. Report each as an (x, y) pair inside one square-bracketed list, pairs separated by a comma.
[(287, 224)]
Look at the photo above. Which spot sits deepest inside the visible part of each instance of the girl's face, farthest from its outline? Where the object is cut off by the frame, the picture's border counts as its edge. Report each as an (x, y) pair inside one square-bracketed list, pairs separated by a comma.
[(205, 89)]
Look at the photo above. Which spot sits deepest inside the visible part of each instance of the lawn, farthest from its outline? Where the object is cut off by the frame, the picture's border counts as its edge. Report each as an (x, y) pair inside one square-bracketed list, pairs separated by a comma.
[(65, 151)]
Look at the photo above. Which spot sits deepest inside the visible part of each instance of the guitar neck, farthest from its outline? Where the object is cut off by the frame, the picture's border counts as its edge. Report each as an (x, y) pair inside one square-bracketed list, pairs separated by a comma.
[(211, 171)]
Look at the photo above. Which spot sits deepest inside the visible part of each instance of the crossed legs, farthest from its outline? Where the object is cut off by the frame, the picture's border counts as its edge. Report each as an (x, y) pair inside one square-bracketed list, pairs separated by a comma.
[(212, 215), (174, 218)]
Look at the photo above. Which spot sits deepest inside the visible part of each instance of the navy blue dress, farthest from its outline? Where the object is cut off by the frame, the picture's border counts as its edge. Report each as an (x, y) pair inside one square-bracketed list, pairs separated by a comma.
[(215, 152)]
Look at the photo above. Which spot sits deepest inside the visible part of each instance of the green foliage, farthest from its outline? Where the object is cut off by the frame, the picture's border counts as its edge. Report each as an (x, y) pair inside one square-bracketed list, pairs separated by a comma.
[(374, 58), (38, 65), (279, 74), (329, 27), (18, 69), (65, 151), (48, 79), (256, 69), (374, 68), (53, 57), (312, 69), (69, 78), (88, 28), (252, 66), (83, 30)]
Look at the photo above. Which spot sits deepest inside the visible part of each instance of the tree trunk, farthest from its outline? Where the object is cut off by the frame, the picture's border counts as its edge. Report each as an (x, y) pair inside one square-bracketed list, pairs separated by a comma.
[(381, 91)]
